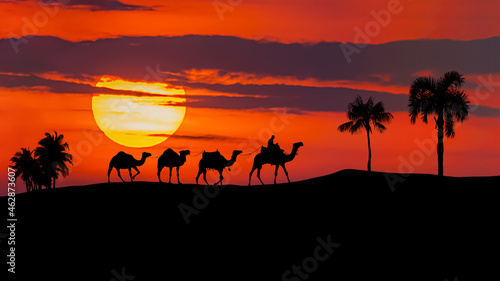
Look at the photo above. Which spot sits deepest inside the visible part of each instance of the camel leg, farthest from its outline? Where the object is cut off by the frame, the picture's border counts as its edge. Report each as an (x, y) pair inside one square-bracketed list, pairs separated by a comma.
[(170, 175), (130, 174), (250, 176), (178, 180), (160, 167), (198, 175), (135, 168), (119, 175), (205, 177), (220, 178), (276, 173), (109, 171), (258, 175), (286, 173)]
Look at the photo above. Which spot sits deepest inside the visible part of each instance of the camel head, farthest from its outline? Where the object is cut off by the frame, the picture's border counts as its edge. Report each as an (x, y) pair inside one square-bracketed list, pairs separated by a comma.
[(237, 152), (145, 155), (185, 152), (298, 144)]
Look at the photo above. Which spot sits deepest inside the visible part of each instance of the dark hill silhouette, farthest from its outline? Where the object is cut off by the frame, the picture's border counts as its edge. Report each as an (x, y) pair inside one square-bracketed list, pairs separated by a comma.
[(429, 228)]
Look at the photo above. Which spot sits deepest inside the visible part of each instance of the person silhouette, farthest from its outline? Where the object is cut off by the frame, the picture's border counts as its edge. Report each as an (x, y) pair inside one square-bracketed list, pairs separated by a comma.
[(272, 148), (270, 142)]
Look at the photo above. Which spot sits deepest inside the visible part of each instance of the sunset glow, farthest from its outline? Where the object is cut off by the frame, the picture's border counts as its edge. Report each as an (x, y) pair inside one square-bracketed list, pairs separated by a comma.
[(144, 76), (138, 121)]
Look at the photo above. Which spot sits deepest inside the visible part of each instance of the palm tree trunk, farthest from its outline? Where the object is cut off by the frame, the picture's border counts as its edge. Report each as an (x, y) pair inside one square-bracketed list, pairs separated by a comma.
[(369, 152), (440, 144)]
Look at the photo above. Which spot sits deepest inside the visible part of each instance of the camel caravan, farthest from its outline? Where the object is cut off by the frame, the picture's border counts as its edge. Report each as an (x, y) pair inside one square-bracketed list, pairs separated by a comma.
[(272, 154)]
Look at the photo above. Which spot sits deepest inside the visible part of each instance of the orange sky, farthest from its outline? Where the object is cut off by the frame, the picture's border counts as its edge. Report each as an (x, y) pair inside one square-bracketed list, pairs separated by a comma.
[(286, 21), (220, 108)]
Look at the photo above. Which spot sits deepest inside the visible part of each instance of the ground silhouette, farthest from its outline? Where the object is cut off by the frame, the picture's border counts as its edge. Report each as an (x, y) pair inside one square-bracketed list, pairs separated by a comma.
[(171, 159), (277, 159), (123, 160), (430, 228), (215, 161)]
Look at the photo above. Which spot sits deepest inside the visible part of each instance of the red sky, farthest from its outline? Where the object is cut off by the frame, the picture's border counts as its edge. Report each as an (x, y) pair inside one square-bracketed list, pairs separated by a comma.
[(281, 20), (234, 87)]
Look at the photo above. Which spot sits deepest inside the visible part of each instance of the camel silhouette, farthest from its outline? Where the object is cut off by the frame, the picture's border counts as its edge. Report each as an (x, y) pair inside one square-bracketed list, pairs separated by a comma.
[(215, 161), (123, 160), (275, 159), (171, 159)]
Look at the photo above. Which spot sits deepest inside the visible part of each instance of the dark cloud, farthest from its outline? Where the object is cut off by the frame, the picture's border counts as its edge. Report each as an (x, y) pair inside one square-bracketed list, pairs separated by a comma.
[(200, 137), (63, 87), (130, 56), (149, 58), (306, 99), (98, 5)]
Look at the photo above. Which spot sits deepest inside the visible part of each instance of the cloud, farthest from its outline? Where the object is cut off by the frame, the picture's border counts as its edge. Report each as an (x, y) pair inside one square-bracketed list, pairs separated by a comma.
[(129, 57), (43, 83), (199, 137), (98, 5), (306, 99), (248, 74)]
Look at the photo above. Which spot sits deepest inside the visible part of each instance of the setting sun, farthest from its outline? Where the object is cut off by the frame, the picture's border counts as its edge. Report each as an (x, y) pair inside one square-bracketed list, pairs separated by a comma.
[(138, 121)]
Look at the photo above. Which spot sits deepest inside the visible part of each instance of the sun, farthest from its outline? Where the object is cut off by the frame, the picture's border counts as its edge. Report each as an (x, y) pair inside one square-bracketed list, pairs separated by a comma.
[(138, 121)]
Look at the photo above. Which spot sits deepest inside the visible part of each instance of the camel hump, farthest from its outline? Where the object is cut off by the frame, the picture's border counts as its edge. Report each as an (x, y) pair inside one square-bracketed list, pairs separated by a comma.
[(215, 158), (121, 154), (211, 154), (170, 152)]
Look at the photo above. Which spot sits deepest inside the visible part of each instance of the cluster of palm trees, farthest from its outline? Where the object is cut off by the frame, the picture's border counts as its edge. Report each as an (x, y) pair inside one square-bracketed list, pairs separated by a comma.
[(41, 167), (442, 97)]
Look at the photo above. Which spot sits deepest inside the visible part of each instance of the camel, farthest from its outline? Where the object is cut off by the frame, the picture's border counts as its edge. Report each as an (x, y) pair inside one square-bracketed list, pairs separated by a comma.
[(277, 160), (123, 160), (171, 159), (215, 161)]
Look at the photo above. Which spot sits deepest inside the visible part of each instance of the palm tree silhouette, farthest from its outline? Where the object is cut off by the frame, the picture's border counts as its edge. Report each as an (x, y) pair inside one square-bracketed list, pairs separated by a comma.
[(362, 115), (53, 157), (25, 166), (444, 98)]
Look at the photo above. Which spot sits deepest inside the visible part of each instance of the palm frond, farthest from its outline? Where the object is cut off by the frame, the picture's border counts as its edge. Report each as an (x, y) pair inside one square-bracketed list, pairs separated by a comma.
[(380, 127), (457, 103), (451, 79), (358, 125), (345, 127), (449, 124), (421, 98)]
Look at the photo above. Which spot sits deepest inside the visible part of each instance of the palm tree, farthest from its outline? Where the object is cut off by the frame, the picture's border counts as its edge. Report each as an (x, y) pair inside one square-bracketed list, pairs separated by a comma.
[(362, 116), (444, 98), (25, 166), (53, 157)]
